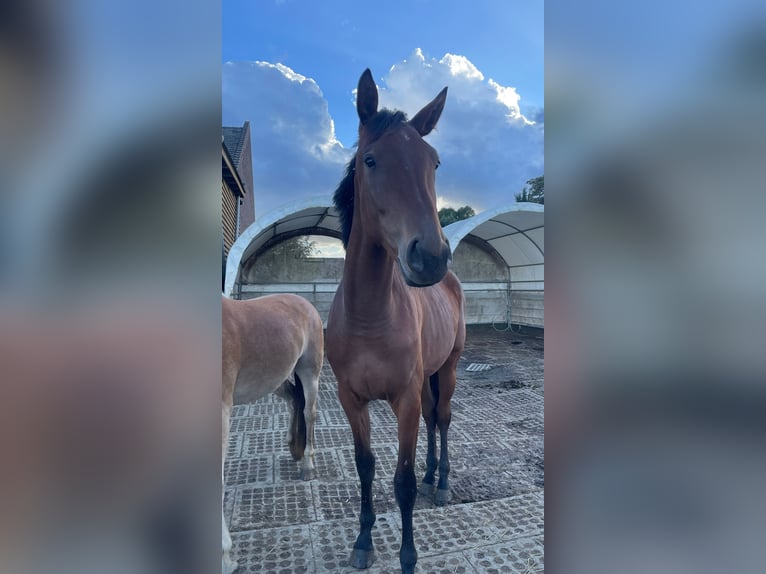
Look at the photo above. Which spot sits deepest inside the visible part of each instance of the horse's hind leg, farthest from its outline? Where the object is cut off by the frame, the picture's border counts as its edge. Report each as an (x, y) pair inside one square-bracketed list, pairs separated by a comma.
[(310, 380), (358, 416), (428, 399), (285, 392), (446, 383)]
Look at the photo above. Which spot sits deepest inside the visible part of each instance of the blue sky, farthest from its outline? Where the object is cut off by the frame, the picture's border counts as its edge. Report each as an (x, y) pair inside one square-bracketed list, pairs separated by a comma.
[(300, 102)]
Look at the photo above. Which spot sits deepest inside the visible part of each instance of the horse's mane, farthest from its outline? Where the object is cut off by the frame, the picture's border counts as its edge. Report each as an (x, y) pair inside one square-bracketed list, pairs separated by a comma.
[(343, 198)]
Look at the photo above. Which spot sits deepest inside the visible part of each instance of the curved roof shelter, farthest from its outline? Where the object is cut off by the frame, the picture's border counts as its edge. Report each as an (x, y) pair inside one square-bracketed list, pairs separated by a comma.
[(310, 216), (515, 231), (514, 234)]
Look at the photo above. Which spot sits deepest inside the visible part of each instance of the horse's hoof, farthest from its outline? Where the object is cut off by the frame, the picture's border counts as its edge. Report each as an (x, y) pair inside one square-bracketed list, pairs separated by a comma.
[(426, 489), (228, 566), (443, 496), (307, 474), (362, 559), (407, 561)]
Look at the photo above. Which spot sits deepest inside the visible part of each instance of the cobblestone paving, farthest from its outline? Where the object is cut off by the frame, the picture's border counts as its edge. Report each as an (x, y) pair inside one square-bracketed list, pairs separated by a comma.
[(494, 522)]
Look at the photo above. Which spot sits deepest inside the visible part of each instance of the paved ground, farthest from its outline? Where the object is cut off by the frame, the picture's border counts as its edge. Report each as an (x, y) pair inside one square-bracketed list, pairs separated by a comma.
[(494, 523)]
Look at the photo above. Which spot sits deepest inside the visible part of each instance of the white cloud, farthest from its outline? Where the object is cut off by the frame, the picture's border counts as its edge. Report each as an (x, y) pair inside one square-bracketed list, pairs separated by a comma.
[(487, 146), (295, 151), (510, 99), (458, 66), (288, 73)]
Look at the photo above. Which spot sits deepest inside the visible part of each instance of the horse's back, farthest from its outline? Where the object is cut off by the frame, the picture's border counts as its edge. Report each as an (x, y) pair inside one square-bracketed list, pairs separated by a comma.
[(267, 336), (281, 314)]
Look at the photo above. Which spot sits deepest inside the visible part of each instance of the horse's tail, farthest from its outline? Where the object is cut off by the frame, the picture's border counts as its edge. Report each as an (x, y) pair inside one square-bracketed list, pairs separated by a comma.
[(298, 421)]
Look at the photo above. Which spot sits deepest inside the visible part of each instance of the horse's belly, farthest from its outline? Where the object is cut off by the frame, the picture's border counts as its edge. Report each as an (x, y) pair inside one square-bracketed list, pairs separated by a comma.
[(432, 362), (440, 328), (260, 375)]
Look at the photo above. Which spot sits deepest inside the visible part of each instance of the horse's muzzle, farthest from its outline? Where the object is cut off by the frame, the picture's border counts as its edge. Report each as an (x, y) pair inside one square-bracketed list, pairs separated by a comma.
[(424, 266)]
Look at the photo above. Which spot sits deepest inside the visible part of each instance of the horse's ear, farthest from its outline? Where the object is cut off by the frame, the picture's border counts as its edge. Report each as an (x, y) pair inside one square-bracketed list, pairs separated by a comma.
[(425, 120), (366, 97)]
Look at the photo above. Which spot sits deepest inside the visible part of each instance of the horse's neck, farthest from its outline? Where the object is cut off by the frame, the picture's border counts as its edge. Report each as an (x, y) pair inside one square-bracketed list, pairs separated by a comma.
[(368, 277)]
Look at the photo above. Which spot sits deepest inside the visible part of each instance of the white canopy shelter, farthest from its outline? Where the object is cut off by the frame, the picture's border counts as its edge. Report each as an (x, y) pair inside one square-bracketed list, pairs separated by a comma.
[(314, 215)]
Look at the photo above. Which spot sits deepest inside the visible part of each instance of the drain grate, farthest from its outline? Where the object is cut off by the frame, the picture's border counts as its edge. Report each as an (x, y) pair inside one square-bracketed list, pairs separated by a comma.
[(478, 367)]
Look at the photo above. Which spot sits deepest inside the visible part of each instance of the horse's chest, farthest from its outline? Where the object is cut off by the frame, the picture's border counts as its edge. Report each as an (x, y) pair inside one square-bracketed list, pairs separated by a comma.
[(379, 360)]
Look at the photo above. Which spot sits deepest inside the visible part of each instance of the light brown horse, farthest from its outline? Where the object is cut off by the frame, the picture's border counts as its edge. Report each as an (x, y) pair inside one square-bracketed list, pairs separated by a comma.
[(396, 327), (264, 341)]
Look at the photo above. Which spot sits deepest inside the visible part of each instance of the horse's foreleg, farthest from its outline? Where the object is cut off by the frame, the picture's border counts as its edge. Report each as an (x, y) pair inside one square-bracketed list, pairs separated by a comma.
[(428, 401), (405, 484), (228, 565), (443, 419), (359, 418)]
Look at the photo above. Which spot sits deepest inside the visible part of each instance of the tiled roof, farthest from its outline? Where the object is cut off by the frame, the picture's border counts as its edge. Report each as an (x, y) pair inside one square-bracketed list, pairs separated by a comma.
[(234, 139)]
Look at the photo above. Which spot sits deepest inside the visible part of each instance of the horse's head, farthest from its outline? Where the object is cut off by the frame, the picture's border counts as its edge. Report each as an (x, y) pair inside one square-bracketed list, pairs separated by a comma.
[(395, 182)]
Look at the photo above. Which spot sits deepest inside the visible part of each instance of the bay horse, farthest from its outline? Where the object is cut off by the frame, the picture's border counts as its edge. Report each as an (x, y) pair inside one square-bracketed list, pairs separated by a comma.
[(264, 341), (396, 327)]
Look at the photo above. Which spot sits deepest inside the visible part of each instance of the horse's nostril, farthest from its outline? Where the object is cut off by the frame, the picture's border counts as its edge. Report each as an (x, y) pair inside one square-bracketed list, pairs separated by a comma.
[(414, 259)]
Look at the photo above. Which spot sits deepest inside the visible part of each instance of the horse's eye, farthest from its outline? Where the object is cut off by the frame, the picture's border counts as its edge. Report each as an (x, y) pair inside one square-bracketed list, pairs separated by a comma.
[(369, 161), (438, 163)]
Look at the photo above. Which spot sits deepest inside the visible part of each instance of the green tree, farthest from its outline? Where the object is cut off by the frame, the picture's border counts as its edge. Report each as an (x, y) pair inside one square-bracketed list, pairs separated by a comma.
[(300, 247), (449, 215), (534, 191), (283, 254)]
